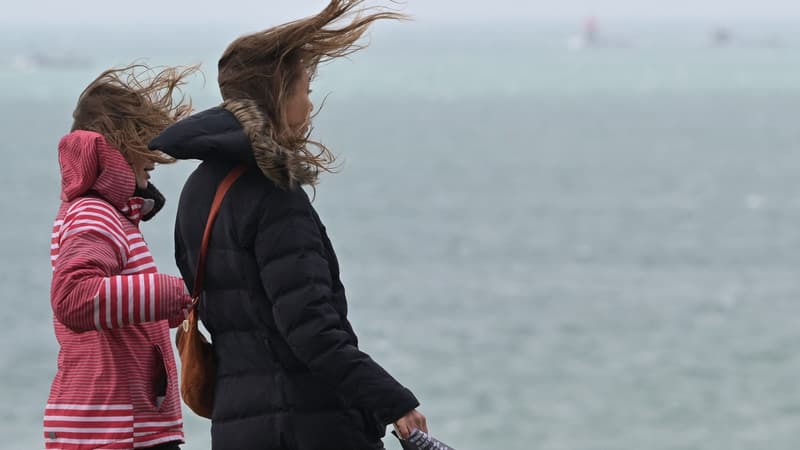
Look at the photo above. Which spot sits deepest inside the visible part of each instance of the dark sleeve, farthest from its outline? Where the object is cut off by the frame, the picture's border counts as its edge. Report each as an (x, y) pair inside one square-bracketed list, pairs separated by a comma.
[(296, 277)]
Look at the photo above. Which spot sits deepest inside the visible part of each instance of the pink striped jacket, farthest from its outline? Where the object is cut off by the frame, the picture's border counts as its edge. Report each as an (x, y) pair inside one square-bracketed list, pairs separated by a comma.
[(116, 385)]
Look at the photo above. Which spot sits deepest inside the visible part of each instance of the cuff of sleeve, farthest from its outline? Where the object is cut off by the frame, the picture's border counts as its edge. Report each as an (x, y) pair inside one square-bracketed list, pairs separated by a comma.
[(403, 404), (169, 289)]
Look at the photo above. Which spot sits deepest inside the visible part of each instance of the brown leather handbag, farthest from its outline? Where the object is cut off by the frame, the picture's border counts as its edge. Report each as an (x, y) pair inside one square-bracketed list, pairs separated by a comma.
[(198, 367)]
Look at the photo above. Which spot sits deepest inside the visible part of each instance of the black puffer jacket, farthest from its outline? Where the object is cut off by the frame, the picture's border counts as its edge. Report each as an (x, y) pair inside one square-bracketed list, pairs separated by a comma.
[(290, 374)]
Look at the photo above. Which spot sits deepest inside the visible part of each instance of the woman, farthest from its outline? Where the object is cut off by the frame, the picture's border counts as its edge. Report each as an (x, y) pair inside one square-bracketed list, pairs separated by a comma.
[(289, 371), (116, 382)]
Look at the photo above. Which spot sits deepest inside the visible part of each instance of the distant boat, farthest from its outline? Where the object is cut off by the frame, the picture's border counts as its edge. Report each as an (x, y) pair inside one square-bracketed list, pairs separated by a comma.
[(591, 37), (722, 37), (40, 61), (587, 38)]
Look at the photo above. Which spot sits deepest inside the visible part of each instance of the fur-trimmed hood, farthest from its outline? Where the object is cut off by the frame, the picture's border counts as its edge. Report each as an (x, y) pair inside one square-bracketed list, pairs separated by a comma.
[(235, 131)]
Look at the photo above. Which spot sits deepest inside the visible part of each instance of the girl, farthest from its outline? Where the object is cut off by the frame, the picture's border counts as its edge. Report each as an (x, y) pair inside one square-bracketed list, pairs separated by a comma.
[(116, 382), (289, 371)]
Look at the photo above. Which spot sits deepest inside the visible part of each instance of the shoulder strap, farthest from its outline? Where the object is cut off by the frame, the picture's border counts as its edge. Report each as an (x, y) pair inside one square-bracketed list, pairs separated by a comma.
[(212, 215)]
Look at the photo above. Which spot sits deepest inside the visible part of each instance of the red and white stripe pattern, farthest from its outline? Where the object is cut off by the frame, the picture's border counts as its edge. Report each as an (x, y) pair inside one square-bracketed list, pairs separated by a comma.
[(67, 426), (105, 301), (84, 426), (109, 304)]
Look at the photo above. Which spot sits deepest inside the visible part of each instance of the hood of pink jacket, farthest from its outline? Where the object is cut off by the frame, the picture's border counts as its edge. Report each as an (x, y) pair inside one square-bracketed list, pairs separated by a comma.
[(90, 164)]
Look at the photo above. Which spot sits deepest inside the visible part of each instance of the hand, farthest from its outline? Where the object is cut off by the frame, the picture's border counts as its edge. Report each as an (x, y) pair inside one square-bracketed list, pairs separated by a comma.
[(406, 424), (180, 306), (175, 320)]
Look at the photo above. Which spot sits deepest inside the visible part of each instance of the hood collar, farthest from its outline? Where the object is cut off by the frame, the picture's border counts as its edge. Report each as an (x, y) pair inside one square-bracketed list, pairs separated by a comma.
[(236, 131), (92, 166)]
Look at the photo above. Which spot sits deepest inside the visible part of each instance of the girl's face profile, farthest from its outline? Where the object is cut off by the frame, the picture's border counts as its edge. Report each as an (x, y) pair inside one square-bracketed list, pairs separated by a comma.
[(142, 168), (299, 106)]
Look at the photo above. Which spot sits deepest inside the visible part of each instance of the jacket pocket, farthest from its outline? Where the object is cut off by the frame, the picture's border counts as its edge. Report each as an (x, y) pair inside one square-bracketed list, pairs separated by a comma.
[(159, 379)]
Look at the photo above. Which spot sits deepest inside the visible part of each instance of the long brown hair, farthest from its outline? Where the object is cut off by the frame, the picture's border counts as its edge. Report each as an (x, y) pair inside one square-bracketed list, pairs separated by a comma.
[(263, 67), (131, 105)]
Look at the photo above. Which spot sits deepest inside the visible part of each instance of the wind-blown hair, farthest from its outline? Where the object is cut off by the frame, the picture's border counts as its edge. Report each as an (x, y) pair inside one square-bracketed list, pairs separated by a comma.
[(131, 105), (261, 67)]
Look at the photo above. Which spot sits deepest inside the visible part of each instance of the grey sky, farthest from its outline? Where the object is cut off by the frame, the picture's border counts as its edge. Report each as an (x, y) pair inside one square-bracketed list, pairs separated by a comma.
[(269, 12)]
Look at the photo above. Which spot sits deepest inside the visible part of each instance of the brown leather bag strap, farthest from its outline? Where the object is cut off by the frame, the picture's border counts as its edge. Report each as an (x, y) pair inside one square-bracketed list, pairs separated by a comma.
[(212, 216)]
